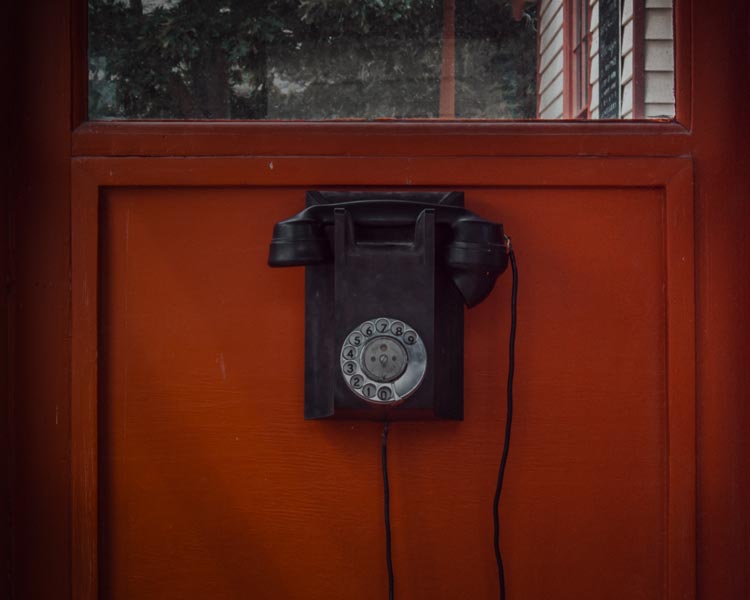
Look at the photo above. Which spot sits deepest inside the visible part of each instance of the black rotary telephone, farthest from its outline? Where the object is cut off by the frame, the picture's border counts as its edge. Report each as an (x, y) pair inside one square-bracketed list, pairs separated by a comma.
[(388, 274)]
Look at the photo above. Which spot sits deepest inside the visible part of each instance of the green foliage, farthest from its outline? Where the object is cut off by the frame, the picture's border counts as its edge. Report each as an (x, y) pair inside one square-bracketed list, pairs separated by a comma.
[(496, 61), (303, 59)]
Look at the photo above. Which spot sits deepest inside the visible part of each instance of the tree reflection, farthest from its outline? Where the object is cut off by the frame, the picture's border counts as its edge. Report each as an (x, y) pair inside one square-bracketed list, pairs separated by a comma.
[(305, 59)]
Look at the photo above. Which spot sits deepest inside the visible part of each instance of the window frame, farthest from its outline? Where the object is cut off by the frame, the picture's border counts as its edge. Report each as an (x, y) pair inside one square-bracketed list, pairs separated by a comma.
[(380, 137), (577, 37)]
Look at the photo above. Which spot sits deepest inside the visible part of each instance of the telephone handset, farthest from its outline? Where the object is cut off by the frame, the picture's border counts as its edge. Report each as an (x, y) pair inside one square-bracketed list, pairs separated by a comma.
[(387, 276)]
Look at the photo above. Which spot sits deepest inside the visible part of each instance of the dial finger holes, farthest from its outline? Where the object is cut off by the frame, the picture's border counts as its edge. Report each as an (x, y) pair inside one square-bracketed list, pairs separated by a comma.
[(385, 394), (383, 360)]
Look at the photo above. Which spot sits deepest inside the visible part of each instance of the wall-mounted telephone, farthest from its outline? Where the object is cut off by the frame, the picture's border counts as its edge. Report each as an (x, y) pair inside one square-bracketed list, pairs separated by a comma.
[(388, 274)]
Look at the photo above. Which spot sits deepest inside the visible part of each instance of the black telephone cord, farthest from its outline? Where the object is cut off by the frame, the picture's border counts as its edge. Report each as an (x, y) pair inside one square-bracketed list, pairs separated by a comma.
[(508, 421), (503, 459), (386, 510)]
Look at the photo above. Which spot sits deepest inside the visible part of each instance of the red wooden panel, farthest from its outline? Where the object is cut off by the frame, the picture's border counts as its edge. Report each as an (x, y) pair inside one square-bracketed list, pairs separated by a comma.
[(711, 102), (213, 485)]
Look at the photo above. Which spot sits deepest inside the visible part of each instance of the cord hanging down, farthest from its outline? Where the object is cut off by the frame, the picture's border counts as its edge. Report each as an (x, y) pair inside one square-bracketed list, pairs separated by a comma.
[(508, 420), (386, 510), (503, 459)]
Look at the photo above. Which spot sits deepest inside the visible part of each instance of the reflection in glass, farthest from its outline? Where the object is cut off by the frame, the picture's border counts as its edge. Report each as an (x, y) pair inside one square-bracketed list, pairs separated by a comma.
[(309, 59), (372, 59), (605, 59)]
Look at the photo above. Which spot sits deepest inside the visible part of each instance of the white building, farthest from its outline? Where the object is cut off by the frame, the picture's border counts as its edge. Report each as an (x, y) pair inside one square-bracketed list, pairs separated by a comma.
[(605, 59)]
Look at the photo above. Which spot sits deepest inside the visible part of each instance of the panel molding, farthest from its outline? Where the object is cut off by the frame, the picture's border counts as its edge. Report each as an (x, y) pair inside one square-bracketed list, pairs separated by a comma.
[(673, 175)]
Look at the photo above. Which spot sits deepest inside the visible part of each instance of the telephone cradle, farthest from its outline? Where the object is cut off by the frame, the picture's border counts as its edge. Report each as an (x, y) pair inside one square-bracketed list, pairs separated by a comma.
[(387, 277)]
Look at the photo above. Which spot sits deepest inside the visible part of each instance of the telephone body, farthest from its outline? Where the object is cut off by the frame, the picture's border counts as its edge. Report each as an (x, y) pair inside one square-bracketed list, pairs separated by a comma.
[(387, 277)]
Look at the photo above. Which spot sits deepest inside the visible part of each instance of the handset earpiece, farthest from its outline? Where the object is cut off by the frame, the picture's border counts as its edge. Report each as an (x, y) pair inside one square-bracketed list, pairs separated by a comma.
[(299, 241), (476, 255)]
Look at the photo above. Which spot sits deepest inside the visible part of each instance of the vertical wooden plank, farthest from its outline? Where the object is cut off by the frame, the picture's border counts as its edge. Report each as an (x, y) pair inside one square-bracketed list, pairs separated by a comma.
[(680, 299), (84, 367), (6, 110), (721, 129), (39, 296)]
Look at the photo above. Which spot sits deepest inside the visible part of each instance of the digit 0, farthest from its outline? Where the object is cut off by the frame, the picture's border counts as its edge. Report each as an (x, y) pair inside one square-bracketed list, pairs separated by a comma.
[(384, 394)]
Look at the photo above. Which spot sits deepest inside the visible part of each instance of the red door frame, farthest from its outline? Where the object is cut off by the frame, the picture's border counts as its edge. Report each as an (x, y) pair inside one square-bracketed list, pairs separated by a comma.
[(48, 133), (674, 175)]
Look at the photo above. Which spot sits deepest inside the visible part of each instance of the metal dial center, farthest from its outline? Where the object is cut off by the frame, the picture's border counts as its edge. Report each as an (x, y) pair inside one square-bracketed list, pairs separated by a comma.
[(384, 359)]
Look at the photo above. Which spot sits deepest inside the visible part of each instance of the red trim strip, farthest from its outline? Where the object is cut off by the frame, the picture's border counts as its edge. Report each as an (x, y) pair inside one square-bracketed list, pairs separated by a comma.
[(448, 69)]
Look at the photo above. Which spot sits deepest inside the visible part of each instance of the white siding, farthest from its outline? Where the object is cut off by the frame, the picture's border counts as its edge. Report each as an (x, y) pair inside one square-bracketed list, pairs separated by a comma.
[(659, 88), (548, 55), (552, 28), (595, 101), (655, 110), (556, 108), (627, 68), (626, 106), (659, 25), (550, 60), (658, 50), (549, 94), (659, 59), (659, 56), (552, 73)]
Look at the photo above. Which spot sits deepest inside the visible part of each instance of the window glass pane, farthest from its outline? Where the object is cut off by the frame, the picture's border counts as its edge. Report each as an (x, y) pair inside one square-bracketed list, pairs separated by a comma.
[(372, 59)]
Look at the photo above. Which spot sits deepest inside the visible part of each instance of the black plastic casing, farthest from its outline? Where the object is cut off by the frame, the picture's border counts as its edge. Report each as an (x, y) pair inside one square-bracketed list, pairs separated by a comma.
[(384, 271)]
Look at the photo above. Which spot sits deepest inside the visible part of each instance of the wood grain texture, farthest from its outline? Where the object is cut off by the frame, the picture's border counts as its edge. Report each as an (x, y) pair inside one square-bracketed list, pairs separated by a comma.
[(721, 126), (38, 89), (7, 109), (178, 439), (406, 138), (84, 380), (711, 49), (215, 486)]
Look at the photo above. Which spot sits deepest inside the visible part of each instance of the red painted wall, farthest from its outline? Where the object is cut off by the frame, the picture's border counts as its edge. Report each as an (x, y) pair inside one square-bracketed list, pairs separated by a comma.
[(712, 50)]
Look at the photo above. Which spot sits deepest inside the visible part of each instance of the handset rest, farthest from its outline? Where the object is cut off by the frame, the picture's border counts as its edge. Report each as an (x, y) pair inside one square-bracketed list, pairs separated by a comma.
[(475, 254)]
